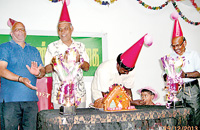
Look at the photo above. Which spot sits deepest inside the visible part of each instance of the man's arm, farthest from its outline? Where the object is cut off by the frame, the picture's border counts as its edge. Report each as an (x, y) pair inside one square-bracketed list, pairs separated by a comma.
[(49, 68), (5, 73), (129, 92), (134, 102), (42, 73), (85, 66), (194, 74)]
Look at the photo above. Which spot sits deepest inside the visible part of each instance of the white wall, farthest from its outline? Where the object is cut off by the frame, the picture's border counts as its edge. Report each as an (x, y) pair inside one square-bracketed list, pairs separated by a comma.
[(124, 22)]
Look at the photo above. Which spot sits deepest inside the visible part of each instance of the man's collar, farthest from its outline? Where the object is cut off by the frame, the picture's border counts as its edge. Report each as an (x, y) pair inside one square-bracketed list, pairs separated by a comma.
[(12, 41), (60, 41)]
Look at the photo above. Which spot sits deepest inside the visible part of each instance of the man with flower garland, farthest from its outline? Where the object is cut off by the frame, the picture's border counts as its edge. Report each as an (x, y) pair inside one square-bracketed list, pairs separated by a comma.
[(190, 91), (56, 48)]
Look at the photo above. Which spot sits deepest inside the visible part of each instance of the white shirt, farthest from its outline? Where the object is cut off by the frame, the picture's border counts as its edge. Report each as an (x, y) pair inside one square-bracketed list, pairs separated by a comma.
[(56, 48), (106, 75), (192, 62)]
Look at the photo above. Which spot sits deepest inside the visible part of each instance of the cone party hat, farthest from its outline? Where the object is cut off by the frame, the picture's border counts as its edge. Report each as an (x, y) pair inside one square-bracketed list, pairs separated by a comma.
[(11, 22), (130, 56), (177, 31), (64, 14)]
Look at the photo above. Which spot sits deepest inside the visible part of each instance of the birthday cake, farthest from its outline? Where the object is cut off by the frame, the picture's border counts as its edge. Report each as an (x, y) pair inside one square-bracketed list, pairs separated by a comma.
[(116, 100)]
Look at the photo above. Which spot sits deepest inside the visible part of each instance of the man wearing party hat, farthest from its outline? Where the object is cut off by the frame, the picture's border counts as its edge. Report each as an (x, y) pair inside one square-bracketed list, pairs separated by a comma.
[(190, 92), (56, 48), (119, 71), (18, 80)]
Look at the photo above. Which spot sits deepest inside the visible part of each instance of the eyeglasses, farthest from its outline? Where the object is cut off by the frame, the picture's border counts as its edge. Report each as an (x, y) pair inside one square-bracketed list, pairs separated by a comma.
[(19, 29), (174, 46)]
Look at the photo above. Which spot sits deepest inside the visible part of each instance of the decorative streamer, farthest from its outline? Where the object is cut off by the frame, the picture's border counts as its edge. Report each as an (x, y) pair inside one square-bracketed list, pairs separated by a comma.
[(153, 8), (175, 6), (195, 5), (105, 2), (182, 16), (55, 1)]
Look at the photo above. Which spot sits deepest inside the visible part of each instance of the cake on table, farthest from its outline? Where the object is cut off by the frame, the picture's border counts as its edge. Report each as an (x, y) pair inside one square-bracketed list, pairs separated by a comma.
[(116, 100)]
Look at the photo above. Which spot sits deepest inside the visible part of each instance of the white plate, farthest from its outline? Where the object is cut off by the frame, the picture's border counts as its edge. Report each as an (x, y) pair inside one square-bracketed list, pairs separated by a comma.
[(92, 106)]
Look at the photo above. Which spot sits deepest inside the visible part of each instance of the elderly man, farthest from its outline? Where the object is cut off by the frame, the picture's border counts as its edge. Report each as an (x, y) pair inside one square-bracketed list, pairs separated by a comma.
[(56, 48), (18, 80), (190, 92)]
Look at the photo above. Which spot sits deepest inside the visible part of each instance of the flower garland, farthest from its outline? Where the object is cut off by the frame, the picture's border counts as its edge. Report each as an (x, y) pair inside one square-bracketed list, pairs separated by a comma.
[(105, 2), (182, 16), (195, 5), (154, 8)]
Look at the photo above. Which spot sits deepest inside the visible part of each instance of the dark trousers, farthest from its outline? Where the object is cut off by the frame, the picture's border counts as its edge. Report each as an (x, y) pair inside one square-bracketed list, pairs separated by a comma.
[(190, 96), (20, 113), (1, 118)]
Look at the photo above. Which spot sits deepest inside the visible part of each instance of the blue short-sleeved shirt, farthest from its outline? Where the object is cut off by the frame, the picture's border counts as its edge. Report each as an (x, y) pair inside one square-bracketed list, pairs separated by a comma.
[(17, 59), (1, 100)]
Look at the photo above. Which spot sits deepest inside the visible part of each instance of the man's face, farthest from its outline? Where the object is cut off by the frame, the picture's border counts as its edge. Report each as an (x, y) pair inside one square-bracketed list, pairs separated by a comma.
[(18, 32), (178, 45), (64, 31), (121, 70)]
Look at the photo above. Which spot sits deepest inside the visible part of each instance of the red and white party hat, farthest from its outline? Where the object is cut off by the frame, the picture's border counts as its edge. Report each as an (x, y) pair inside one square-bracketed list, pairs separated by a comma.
[(128, 59), (11, 22), (177, 28), (64, 14)]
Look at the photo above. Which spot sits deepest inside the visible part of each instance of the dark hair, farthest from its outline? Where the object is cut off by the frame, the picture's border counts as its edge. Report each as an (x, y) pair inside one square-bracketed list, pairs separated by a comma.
[(184, 39), (146, 90), (122, 65)]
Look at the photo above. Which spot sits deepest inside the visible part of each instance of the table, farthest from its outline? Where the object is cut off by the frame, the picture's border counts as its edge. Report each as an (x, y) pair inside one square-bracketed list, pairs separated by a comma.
[(91, 119)]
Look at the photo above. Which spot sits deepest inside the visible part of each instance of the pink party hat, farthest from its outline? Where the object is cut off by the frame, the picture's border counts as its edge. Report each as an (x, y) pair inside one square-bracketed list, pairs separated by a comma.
[(11, 22), (65, 14), (130, 56), (177, 28), (150, 89)]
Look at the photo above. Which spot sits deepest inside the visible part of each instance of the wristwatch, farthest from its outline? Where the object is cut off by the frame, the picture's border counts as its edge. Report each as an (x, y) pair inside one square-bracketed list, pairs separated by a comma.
[(185, 75)]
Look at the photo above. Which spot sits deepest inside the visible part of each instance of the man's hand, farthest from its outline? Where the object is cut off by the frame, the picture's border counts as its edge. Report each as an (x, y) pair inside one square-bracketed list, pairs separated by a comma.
[(98, 103), (182, 74), (165, 77), (27, 83), (137, 102), (77, 56), (35, 70)]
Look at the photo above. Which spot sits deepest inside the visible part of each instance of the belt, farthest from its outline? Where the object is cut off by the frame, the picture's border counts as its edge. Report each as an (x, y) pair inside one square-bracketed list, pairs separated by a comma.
[(192, 83)]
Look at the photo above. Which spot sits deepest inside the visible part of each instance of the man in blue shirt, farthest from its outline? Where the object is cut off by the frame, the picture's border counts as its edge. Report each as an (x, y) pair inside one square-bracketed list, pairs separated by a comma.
[(18, 80)]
